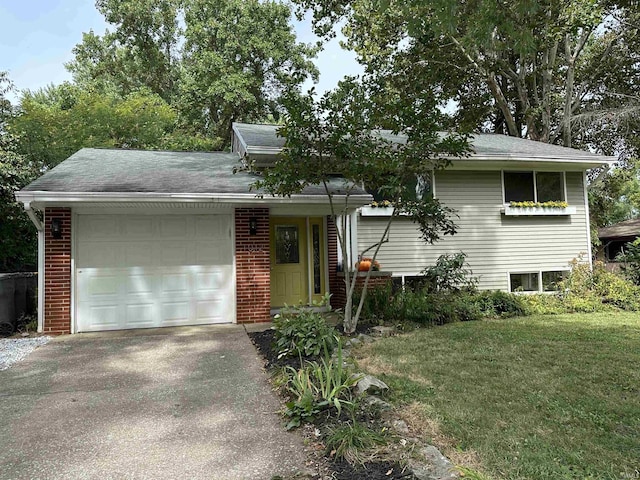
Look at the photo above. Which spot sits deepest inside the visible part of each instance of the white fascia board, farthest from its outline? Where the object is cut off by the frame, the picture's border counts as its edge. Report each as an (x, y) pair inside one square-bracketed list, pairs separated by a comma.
[(44, 197), (493, 163)]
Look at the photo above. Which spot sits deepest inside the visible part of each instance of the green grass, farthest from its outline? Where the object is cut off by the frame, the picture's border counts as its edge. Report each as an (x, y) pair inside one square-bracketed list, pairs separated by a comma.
[(544, 397)]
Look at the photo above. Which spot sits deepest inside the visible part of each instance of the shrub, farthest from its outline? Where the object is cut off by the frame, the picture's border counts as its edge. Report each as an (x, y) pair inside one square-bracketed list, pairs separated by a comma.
[(500, 304), (631, 261), (351, 440), (302, 332), (317, 387), (377, 303), (586, 290), (450, 273)]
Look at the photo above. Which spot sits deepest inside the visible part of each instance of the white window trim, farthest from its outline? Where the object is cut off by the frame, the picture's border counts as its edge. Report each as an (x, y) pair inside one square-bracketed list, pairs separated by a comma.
[(540, 284), (535, 184)]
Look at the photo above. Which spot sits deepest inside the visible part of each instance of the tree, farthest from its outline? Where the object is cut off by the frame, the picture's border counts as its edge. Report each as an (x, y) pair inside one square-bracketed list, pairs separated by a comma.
[(213, 62), (524, 67), (339, 135), (57, 121), (17, 234)]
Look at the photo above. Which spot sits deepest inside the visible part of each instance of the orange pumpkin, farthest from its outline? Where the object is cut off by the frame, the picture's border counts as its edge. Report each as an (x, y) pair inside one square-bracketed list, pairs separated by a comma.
[(366, 264), (363, 265)]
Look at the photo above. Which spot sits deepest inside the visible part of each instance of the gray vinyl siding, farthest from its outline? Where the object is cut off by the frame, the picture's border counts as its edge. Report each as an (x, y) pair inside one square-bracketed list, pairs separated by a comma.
[(495, 244)]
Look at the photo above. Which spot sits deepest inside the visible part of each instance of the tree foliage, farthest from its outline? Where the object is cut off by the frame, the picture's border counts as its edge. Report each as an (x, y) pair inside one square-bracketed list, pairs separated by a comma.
[(17, 239), (339, 137), (214, 62), (523, 67)]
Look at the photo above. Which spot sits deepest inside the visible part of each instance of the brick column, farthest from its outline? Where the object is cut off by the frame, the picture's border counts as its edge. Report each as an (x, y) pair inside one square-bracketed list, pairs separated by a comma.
[(253, 267), (336, 284), (57, 273)]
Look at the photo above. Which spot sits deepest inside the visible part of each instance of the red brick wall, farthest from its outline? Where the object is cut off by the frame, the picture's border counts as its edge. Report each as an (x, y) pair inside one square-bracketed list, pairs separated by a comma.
[(57, 273), (336, 284), (253, 269)]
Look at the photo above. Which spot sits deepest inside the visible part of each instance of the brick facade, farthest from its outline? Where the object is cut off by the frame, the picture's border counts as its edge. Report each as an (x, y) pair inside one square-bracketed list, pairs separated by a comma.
[(253, 267), (57, 273), (336, 283)]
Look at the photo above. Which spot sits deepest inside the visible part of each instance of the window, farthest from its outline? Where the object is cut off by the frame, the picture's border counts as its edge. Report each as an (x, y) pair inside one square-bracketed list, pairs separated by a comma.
[(530, 281), (550, 280), (417, 189), (524, 282), (533, 187), (287, 248)]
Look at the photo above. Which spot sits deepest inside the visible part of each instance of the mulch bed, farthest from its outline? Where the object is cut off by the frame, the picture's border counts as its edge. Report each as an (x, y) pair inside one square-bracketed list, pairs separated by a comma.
[(264, 343), (340, 470), (371, 471)]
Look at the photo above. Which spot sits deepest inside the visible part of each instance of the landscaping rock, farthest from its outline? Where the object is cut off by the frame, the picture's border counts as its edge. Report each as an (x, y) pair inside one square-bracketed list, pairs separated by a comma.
[(400, 426), (377, 402), (435, 467), (382, 331), (364, 338), (369, 383), (353, 342)]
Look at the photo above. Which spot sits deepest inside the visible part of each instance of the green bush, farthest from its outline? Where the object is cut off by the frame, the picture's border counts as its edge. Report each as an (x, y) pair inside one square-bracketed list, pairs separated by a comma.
[(303, 333), (500, 304), (317, 387), (449, 274), (631, 261), (351, 440), (377, 303)]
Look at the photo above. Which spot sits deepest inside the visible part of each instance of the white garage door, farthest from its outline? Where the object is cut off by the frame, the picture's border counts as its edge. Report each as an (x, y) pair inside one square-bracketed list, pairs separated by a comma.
[(140, 271)]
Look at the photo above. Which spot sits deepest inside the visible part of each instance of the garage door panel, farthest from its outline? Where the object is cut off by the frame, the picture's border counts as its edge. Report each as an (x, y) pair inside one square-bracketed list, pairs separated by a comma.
[(139, 254), (177, 283), (138, 226), (103, 285), (99, 254), (104, 317), (99, 227), (141, 315), (141, 284), (174, 254), (159, 270), (176, 313), (176, 227)]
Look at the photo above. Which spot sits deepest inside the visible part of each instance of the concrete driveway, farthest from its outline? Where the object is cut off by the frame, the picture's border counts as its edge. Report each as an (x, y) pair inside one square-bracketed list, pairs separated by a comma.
[(188, 403)]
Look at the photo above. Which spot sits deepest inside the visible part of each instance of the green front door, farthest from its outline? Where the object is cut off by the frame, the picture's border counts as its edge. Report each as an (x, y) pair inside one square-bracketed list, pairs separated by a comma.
[(289, 271)]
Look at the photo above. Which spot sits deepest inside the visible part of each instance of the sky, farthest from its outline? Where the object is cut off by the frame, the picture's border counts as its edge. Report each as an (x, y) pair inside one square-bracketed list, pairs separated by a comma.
[(37, 37)]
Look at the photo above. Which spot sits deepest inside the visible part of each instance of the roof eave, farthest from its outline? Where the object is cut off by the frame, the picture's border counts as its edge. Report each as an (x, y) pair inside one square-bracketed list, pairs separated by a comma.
[(43, 198)]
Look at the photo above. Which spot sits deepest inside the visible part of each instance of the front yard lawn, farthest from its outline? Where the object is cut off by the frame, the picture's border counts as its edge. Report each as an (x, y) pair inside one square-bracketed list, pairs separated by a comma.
[(542, 397)]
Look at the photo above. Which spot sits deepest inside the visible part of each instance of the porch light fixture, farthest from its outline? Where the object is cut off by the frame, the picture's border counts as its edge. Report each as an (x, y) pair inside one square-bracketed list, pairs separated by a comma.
[(253, 226), (56, 228)]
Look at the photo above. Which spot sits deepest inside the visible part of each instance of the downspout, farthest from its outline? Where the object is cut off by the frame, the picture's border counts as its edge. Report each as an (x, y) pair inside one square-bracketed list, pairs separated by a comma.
[(40, 227)]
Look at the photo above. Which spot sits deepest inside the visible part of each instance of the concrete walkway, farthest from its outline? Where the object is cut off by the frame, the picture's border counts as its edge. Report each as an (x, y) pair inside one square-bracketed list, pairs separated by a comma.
[(188, 403)]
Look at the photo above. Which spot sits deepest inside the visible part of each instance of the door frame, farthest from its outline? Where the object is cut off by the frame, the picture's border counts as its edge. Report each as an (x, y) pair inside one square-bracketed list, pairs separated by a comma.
[(306, 250)]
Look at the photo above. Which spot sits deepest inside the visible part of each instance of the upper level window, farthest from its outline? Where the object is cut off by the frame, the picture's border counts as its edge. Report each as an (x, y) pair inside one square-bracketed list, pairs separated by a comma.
[(533, 187), (417, 189)]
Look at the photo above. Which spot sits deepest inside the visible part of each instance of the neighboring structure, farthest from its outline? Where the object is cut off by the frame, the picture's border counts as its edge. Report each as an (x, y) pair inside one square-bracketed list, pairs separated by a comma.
[(614, 238), (135, 239)]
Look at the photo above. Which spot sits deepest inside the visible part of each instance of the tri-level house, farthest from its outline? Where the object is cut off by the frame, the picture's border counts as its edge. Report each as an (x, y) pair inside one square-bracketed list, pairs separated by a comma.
[(139, 239)]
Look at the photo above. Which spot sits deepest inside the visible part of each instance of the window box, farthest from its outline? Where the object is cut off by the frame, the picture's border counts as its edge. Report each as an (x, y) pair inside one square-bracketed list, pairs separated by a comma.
[(370, 211), (537, 211)]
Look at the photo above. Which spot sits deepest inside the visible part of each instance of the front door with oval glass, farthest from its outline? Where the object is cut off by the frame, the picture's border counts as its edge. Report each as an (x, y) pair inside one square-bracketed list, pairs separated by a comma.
[(297, 260)]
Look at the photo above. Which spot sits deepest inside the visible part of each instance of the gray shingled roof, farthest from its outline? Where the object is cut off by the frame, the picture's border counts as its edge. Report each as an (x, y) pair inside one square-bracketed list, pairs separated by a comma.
[(626, 229), (485, 145), (123, 171)]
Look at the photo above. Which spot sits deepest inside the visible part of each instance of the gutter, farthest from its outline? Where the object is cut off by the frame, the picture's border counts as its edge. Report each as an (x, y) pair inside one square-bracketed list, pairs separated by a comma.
[(40, 227), (28, 197)]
